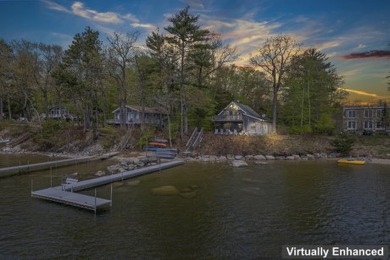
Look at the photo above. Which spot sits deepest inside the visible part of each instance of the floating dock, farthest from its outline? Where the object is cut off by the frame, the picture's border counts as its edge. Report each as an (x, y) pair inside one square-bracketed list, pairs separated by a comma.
[(65, 194), (56, 194)]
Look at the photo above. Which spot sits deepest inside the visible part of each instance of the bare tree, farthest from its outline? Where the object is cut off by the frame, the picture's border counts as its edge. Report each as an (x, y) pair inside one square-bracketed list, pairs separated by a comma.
[(273, 58), (120, 56)]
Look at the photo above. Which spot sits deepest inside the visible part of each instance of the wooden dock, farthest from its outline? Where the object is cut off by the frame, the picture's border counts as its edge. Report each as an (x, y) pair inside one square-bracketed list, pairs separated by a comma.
[(65, 194)]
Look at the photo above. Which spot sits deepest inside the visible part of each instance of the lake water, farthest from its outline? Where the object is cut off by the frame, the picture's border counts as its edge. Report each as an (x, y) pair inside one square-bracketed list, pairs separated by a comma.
[(236, 213)]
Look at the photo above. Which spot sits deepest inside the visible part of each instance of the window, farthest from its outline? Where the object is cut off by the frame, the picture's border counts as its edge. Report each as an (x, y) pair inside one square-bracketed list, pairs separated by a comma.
[(351, 113), (379, 125), (351, 125), (379, 113), (367, 124), (367, 113)]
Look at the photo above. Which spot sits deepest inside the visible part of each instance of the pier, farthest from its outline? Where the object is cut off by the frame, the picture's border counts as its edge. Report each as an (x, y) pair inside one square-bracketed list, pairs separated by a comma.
[(65, 193), (48, 165)]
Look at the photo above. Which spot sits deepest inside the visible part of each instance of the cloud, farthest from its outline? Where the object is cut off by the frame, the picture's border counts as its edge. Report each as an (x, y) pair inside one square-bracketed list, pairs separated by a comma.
[(79, 9), (145, 26), (374, 54), (105, 17), (195, 4), (55, 6), (362, 93)]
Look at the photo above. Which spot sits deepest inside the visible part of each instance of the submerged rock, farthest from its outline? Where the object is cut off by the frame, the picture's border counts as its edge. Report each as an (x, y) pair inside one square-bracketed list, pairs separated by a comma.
[(188, 195), (261, 162), (133, 183), (165, 190), (239, 163)]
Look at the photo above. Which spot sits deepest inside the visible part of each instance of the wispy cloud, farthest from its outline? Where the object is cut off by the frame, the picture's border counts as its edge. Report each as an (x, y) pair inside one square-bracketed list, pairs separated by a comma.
[(79, 9), (374, 54), (362, 93)]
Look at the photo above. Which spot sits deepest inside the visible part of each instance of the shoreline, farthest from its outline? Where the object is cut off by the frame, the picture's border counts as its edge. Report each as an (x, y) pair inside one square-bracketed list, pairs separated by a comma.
[(209, 158)]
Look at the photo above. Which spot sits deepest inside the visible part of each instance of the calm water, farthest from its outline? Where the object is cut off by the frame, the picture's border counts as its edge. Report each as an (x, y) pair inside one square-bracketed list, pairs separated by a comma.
[(236, 213)]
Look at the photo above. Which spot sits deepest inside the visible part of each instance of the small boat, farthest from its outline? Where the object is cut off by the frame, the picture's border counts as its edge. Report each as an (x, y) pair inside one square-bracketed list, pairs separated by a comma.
[(354, 162)]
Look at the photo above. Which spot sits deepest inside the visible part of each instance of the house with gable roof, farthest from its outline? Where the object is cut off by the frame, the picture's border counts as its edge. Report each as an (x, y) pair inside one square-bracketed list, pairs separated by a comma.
[(237, 118)]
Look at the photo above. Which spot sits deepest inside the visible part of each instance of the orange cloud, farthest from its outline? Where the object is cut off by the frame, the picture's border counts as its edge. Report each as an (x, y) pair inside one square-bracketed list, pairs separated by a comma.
[(362, 93)]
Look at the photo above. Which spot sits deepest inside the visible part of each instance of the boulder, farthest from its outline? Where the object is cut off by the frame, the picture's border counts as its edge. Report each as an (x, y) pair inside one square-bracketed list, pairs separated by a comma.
[(239, 163), (296, 157), (310, 157), (249, 157), (260, 157), (165, 190), (290, 158), (238, 157), (270, 157), (100, 173)]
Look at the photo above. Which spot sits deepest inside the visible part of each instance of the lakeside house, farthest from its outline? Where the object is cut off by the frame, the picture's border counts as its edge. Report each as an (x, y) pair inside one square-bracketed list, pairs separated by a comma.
[(59, 112), (366, 119), (237, 118), (136, 115)]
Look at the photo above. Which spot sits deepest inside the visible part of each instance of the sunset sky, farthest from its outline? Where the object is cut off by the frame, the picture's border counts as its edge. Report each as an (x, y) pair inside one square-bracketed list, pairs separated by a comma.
[(354, 34)]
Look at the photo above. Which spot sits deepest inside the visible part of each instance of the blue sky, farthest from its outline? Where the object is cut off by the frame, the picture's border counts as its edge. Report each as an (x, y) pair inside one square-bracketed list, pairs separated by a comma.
[(355, 34)]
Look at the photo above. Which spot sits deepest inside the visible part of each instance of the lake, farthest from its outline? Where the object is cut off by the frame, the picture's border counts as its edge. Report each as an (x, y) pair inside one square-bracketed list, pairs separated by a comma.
[(233, 213)]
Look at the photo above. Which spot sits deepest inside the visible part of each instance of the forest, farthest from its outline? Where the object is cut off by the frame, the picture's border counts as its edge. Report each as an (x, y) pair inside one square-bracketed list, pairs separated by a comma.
[(184, 68)]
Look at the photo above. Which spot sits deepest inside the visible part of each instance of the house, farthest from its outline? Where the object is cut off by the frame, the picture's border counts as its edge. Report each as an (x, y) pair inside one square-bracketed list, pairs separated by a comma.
[(59, 112), (134, 116), (238, 118), (366, 119)]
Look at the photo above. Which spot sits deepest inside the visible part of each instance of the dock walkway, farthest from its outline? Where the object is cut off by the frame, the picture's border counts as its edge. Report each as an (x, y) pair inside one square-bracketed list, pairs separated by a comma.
[(58, 163), (65, 194)]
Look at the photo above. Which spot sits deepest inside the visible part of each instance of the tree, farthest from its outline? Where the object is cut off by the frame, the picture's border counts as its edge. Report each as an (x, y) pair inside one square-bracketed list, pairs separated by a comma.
[(121, 52), (185, 36), (82, 69), (312, 92), (50, 57), (273, 58), (5, 75)]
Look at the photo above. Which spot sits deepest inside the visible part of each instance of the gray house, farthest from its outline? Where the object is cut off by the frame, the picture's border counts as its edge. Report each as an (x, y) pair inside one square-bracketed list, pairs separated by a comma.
[(136, 115), (59, 112), (237, 118), (366, 119)]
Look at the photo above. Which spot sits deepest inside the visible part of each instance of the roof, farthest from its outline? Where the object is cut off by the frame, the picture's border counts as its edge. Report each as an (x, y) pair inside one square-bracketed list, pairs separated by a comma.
[(149, 110), (248, 111)]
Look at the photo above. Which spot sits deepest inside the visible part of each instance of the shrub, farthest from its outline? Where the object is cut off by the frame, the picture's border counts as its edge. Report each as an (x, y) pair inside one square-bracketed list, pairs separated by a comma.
[(343, 143)]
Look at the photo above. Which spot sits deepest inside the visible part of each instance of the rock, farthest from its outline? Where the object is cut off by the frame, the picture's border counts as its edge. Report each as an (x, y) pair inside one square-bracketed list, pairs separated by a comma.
[(221, 158), (296, 157), (261, 162), (290, 158), (239, 163), (230, 157), (188, 195), (270, 157), (249, 157), (310, 156), (238, 157), (280, 158), (165, 190), (133, 183), (260, 157), (100, 173), (194, 187), (213, 158)]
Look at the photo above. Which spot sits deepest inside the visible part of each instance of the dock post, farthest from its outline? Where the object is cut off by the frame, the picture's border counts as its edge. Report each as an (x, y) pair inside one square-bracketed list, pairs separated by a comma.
[(111, 196), (95, 201)]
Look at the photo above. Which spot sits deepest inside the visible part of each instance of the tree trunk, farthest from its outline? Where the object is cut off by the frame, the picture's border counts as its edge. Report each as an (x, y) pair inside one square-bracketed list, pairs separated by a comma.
[(9, 108)]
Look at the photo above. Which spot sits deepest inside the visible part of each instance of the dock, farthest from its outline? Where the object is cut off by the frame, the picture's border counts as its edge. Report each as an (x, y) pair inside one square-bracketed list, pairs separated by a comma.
[(56, 194), (65, 193), (58, 163)]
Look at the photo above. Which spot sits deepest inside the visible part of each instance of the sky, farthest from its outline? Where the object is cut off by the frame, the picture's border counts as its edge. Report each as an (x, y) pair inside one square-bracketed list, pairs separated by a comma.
[(354, 34)]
